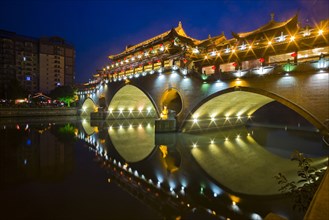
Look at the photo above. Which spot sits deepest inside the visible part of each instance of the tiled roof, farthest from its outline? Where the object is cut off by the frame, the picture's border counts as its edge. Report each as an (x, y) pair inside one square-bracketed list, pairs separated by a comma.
[(267, 27)]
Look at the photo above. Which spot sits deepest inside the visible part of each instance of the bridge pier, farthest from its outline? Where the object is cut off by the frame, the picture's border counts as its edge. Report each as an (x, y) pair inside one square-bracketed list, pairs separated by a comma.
[(162, 126)]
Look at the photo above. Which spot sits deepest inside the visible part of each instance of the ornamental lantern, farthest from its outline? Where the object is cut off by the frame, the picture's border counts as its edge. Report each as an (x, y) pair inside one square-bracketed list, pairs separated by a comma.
[(294, 54), (185, 61), (235, 64), (213, 67), (261, 60), (159, 61)]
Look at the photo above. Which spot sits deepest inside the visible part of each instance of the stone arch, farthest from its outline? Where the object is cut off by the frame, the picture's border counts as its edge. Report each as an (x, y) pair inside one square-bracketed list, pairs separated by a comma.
[(242, 102), (88, 106), (172, 99), (130, 98), (102, 101)]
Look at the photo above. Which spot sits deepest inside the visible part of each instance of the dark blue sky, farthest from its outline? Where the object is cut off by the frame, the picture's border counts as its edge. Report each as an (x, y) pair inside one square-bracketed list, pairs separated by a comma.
[(100, 28)]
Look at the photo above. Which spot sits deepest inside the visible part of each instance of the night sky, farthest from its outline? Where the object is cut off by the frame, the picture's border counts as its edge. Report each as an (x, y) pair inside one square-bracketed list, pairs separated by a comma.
[(100, 28)]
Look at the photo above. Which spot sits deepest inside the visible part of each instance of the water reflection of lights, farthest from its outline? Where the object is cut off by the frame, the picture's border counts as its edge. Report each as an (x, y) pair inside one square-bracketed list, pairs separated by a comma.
[(178, 188)]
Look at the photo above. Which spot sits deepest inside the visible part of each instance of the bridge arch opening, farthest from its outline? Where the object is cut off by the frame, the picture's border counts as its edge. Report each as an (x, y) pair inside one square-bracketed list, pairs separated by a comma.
[(102, 101), (131, 102), (172, 99), (88, 106), (235, 106)]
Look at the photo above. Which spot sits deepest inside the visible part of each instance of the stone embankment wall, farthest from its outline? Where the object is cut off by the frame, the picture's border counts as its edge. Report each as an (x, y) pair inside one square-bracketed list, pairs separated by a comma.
[(37, 112)]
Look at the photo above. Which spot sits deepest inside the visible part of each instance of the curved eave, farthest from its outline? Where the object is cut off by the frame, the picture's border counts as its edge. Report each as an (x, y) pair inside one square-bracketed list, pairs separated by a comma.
[(174, 32), (214, 40), (272, 25)]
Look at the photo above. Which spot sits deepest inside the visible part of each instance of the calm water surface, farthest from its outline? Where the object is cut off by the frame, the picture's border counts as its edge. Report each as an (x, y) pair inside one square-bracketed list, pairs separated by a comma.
[(122, 170)]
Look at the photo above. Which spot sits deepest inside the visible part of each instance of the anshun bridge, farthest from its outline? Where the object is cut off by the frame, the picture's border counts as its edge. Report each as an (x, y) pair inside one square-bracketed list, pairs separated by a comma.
[(207, 83), (186, 85)]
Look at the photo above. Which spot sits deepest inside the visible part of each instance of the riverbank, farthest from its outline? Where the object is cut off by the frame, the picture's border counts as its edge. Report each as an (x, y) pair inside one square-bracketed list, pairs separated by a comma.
[(38, 112)]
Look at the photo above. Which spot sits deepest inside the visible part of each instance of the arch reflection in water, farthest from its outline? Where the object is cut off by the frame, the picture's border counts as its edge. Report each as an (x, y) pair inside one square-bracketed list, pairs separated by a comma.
[(230, 160), (133, 139)]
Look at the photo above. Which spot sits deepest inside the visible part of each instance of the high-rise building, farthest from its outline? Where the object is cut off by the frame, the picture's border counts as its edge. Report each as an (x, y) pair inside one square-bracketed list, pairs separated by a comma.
[(19, 59), (40, 65), (56, 63)]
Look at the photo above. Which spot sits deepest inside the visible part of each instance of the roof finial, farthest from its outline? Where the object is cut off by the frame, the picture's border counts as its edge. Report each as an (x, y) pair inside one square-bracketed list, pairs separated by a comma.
[(272, 16), (180, 24)]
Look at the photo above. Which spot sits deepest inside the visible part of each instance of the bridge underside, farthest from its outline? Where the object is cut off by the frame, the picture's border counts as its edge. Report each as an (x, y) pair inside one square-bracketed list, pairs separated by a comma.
[(131, 102), (226, 110)]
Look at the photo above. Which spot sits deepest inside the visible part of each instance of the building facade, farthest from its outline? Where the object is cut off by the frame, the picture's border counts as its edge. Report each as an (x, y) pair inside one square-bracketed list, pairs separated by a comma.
[(39, 65), (271, 44), (56, 63)]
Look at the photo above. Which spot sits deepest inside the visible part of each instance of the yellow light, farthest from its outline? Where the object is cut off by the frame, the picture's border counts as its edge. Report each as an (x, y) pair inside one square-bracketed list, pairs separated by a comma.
[(234, 199), (250, 47), (238, 81), (320, 32), (205, 57), (218, 54), (107, 67), (233, 51), (292, 38), (270, 42)]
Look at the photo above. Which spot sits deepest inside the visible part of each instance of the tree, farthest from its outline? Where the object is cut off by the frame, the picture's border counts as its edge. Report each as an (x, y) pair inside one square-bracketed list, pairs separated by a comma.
[(66, 94), (304, 189), (15, 90)]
